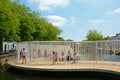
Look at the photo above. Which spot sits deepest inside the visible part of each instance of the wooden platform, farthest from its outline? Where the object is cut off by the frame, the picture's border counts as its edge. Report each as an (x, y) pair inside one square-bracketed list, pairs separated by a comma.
[(108, 67)]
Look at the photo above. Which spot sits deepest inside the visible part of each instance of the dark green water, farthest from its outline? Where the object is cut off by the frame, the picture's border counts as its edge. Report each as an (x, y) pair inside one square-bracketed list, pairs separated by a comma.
[(24, 76), (8, 76), (14, 74)]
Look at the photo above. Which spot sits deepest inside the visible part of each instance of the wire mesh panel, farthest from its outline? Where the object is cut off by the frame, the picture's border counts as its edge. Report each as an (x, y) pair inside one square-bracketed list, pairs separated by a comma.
[(82, 51), (98, 50)]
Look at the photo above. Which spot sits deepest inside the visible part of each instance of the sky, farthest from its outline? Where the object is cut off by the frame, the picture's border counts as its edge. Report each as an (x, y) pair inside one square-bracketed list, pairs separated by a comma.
[(76, 17)]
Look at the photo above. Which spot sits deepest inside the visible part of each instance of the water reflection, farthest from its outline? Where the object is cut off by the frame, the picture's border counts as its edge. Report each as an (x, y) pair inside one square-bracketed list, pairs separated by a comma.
[(115, 58), (99, 57)]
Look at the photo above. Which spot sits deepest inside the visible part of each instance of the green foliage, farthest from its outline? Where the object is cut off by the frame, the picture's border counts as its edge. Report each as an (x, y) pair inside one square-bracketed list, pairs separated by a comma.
[(19, 23), (41, 29), (60, 39), (52, 32), (26, 25), (93, 35), (9, 23)]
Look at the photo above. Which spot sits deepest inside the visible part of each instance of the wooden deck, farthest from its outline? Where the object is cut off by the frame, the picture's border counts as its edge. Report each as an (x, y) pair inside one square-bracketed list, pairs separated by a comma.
[(109, 67)]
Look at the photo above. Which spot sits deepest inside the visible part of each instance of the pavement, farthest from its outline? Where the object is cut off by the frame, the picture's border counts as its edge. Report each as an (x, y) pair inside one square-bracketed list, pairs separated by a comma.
[(46, 65)]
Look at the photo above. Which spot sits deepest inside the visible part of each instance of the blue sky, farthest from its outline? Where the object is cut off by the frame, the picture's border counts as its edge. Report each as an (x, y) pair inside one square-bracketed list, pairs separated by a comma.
[(76, 17)]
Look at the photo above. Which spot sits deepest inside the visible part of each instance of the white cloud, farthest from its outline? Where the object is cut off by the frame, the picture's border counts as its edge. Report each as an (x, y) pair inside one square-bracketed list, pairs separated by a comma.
[(96, 22), (88, 1), (50, 4), (114, 12), (57, 20)]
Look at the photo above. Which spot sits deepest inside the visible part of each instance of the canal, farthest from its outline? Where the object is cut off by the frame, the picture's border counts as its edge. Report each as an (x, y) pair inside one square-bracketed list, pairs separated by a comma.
[(22, 76)]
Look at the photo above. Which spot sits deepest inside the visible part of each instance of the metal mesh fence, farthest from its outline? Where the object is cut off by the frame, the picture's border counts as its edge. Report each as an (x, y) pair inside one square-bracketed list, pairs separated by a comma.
[(78, 51)]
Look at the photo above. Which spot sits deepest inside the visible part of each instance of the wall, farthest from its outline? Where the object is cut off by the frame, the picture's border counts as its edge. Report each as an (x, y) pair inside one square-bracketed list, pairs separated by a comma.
[(7, 57)]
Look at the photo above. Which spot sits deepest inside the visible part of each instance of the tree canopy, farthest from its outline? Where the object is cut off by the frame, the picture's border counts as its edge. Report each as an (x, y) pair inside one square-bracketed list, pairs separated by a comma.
[(20, 23), (93, 35)]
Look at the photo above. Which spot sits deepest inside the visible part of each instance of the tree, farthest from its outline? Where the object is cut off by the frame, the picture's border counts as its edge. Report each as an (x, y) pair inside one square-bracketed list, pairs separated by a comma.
[(52, 32), (20, 23), (40, 27), (9, 23), (60, 39), (93, 35), (27, 27)]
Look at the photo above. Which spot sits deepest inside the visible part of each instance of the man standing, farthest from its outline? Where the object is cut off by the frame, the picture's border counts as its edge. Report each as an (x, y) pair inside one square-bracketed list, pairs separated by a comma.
[(23, 55)]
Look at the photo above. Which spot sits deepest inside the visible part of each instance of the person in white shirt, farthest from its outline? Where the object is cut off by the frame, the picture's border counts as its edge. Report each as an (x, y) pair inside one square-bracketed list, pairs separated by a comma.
[(23, 55)]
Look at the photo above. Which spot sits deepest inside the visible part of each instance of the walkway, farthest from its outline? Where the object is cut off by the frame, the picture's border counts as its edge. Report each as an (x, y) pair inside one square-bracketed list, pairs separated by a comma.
[(109, 67)]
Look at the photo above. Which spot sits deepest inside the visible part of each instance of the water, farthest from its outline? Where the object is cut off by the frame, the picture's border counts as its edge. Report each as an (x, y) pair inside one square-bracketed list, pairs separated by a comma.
[(115, 58), (8, 76), (24, 76)]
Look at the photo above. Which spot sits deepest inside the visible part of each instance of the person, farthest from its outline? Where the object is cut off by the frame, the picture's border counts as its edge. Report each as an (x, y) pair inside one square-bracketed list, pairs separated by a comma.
[(23, 55), (68, 56), (53, 57), (74, 56), (20, 55), (62, 56), (56, 57)]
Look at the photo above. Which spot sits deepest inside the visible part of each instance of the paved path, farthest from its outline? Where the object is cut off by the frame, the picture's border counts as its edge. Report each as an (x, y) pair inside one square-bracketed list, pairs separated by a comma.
[(111, 67)]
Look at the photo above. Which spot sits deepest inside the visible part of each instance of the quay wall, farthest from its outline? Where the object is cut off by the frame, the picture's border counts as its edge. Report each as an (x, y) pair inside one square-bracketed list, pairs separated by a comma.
[(7, 57)]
